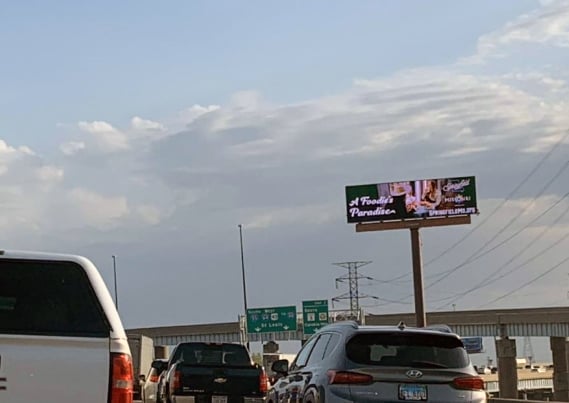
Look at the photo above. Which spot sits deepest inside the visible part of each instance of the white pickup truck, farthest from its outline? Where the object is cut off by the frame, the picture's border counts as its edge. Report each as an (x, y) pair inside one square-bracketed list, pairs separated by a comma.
[(61, 338)]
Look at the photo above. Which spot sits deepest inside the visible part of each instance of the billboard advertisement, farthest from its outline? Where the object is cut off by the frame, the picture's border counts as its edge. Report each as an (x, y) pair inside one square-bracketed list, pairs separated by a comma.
[(425, 198)]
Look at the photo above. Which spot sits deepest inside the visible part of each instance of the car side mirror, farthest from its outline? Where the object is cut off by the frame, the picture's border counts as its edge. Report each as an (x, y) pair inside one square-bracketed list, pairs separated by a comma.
[(280, 367), (142, 378)]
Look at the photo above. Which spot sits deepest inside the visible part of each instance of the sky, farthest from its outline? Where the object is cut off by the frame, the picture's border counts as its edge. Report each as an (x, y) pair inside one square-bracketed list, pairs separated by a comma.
[(150, 131)]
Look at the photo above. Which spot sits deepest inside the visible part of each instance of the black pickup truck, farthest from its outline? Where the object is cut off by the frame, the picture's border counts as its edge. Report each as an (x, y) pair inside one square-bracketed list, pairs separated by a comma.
[(213, 373)]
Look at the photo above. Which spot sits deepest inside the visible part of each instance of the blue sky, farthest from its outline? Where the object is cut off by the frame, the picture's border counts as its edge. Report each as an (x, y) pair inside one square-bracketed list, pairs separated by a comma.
[(150, 130), (70, 61)]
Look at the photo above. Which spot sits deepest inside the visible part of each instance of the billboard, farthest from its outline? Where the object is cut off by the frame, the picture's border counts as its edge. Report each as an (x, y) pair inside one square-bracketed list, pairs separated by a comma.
[(425, 198)]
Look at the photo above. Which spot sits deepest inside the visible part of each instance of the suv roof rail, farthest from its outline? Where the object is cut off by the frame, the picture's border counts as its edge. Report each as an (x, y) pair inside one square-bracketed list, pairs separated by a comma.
[(351, 323), (440, 328)]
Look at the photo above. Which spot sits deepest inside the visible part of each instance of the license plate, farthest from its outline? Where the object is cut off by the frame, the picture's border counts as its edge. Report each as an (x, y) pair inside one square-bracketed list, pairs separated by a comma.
[(412, 392), (219, 399)]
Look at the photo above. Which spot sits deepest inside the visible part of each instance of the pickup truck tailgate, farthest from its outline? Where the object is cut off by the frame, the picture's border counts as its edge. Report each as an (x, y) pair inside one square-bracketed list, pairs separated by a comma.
[(233, 381), (54, 369)]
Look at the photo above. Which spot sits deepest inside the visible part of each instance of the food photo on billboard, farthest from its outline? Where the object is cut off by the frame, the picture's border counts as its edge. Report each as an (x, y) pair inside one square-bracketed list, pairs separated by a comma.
[(425, 198)]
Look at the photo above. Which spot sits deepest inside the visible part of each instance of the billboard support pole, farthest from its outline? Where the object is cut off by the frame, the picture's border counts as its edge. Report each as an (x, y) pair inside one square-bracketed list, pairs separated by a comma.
[(412, 205), (420, 315), (414, 226)]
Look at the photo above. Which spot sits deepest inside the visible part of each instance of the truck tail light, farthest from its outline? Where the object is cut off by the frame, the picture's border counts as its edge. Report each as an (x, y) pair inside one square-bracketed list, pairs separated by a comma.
[(469, 383), (176, 381), (348, 378), (263, 382), (122, 379)]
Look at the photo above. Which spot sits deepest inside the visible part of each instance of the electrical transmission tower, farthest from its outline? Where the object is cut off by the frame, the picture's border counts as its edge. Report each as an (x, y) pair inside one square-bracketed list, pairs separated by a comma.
[(352, 278)]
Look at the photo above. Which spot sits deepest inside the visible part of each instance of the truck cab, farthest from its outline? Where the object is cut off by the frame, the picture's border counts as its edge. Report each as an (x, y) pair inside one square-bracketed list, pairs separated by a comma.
[(61, 338)]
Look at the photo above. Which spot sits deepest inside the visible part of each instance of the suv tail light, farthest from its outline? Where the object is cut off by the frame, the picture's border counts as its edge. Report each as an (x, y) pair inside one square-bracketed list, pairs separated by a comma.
[(263, 382), (469, 383), (346, 378), (122, 378), (154, 378)]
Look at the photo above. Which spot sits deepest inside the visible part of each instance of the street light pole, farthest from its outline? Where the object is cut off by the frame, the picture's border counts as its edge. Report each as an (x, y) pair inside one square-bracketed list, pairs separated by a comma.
[(243, 276), (115, 276)]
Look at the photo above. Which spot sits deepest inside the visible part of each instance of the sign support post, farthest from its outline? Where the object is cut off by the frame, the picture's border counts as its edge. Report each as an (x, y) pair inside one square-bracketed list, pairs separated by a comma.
[(421, 316), (412, 205), (416, 251)]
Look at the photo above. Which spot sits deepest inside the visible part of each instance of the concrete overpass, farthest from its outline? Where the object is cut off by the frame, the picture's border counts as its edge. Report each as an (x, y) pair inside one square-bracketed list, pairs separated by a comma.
[(499, 323), (536, 322)]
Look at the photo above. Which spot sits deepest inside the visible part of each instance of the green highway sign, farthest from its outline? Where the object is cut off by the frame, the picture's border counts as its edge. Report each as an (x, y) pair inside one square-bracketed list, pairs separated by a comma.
[(271, 320), (314, 315)]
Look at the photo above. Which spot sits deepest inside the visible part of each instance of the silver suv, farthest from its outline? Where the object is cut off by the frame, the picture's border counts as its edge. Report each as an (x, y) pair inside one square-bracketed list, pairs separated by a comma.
[(345, 362)]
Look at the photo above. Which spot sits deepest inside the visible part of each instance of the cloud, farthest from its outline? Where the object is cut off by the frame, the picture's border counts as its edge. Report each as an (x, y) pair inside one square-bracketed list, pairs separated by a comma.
[(96, 210), (72, 147), (405, 122), (307, 215), (107, 138), (49, 173), (7, 151), (464, 151), (151, 215), (140, 124), (28, 184), (548, 25), (194, 112)]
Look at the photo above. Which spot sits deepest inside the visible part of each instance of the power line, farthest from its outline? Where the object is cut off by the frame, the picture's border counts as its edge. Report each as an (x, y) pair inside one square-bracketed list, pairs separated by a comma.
[(488, 280), (545, 273), (390, 282), (488, 217), (507, 199), (515, 268), (475, 257), (477, 254)]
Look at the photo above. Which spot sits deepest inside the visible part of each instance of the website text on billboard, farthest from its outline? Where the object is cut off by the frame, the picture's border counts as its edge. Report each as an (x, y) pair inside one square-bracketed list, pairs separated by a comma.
[(425, 198)]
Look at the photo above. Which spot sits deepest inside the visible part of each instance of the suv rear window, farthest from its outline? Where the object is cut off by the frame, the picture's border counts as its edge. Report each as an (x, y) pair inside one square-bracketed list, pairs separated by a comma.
[(204, 354), (416, 350), (48, 298)]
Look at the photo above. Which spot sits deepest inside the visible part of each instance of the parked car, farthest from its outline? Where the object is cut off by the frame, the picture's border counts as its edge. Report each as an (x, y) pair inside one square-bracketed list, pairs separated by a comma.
[(346, 362), (213, 372), (61, 339), (483, 370), (149, 385)]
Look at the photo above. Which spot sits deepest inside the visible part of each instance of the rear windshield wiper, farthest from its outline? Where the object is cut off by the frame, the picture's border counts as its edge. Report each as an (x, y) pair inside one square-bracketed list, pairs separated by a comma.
[(427, 364)]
